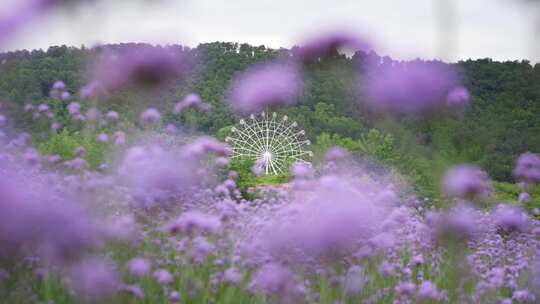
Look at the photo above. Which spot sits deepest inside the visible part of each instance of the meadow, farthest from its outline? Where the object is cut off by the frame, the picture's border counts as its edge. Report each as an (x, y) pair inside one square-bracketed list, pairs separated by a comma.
[(118, 183)]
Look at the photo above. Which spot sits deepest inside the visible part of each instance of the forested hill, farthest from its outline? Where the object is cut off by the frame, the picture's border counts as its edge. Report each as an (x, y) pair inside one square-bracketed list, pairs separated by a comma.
[(502, 121)]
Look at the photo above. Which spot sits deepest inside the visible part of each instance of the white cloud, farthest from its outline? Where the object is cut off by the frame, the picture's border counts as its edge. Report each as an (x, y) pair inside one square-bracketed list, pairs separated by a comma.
[(500, 29)]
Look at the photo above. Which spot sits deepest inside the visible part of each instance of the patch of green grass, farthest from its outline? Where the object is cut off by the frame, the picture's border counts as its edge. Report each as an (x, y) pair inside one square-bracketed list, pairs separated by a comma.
[(271, 179), (509, 193)]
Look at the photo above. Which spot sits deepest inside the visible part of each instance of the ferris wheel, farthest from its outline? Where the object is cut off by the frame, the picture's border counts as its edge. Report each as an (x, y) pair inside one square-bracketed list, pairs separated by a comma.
[(273, 143)]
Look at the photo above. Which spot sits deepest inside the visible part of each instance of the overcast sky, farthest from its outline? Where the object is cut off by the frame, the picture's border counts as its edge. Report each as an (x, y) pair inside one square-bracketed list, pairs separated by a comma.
[(500, 29)]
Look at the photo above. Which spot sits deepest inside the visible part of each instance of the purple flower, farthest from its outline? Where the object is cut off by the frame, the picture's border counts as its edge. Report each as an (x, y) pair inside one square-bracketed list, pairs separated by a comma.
[(201, 249), (139, 267), (233, 175), (21, 140), (174, 296), (74, 108), (523, 296), (458, 97), (55, 126), (134, 290), (428, 291), (510, 218), (204, 145), (120, 228), (80, 151), (466, 181), (65, 96), (77, 164), (222, 162), (528, 168), (170, 129), (330, 221), (162, 276), (387, 269), (59, 85), (405, 288), (28, 107), (24, 12), (31, 156), (112, 116), (409, 88), (355, 280), (93, 115), (43, 108), (258, 167), (140, 66), (150, 116), (93, 89), (54, 159), (461, 222), (335, 153), (301, 169), (496, 277), (95, 278), (273, 279), (195, 221), (232, 276), (40, 219), (2, 120), (204, 107), (191, 100), (417, 260), (155, 176), (103, 137), (329, 44), (524, 197), (119, 138), (264, 86)]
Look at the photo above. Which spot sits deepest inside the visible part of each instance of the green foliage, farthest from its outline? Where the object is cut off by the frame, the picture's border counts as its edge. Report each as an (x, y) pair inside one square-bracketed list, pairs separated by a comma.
[(65, 143), (246, 179), (382, 148), (223, 133), (501, 122), (62, 144), (509, 193), (272, 179)]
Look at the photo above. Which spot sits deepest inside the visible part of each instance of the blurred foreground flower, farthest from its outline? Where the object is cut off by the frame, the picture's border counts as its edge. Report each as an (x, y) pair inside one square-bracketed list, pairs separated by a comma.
[(329, 44), (467, 182), (191, 100), (95, 279), (528, 168), (25, 11), (412, 88), (265, 85), (144, 67), (510, 218)]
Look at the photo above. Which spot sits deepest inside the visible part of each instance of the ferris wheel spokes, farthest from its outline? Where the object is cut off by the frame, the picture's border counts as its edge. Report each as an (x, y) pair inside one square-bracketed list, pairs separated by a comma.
[(272, 143)]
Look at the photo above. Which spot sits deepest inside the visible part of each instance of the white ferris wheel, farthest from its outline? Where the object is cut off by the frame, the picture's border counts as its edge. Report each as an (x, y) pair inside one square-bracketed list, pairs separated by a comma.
[(273, 143)]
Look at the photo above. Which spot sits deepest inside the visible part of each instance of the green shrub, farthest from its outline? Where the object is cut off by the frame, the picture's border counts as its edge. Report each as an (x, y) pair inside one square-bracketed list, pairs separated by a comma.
[(509, 193), (422, 173), (65, 143), (62, 144), (246, 178)]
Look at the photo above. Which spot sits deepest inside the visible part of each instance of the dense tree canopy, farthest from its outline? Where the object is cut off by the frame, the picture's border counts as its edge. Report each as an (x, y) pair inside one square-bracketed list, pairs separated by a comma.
[(502, 121)]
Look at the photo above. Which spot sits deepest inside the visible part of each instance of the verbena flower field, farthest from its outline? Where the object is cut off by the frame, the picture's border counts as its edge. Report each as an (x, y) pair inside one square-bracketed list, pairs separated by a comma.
[(165, 219)]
